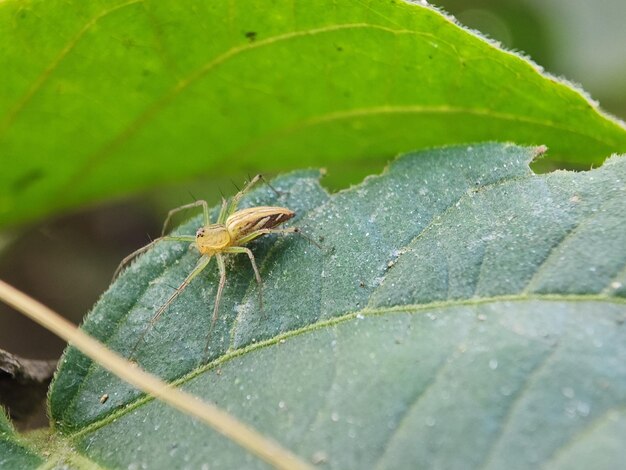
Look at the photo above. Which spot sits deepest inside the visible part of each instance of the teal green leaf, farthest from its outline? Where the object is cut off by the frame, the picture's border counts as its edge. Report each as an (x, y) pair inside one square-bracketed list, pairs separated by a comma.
[(13, 454), (463, 312), (109, 97)]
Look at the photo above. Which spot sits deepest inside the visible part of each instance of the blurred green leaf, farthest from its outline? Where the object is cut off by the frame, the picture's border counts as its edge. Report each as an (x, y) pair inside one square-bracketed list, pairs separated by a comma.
[(13, 454), (570, 38), (109, 97), (463, 313)]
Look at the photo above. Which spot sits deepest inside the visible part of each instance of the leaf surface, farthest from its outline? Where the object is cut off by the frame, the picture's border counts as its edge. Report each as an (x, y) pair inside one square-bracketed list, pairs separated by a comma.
[(13, 454), (463, 313), (110, 97)]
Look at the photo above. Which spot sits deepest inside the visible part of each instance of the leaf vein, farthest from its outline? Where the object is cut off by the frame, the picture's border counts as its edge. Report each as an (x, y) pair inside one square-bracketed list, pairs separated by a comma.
[(19, 105), (587, 430), (151, 111), (555, 249), (440, 216), (515, 403), (375, 111), (443, 366)]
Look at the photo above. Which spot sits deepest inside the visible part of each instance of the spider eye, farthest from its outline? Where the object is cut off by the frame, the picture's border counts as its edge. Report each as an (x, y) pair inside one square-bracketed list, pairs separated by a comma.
[(200, 232)]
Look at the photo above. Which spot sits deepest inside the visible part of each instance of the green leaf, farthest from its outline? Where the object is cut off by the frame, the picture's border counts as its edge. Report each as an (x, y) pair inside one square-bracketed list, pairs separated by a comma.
[(13, 454), (110, 97), (463, 313)]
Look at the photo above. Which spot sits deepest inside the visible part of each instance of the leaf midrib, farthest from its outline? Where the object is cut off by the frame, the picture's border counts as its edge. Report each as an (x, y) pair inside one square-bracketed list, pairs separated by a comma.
[(355, 315)]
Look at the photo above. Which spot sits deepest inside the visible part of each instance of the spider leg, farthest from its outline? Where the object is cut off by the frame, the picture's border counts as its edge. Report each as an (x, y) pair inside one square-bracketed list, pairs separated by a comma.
[(203, 263), (241, 249), (223, 215), (127, 259), (306, 237), (276, 191), (234, 202), (218, 297), (205, 210), (264, 231)]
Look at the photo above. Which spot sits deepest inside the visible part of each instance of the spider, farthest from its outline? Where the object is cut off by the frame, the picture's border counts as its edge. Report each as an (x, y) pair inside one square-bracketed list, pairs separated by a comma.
[(233, 229)]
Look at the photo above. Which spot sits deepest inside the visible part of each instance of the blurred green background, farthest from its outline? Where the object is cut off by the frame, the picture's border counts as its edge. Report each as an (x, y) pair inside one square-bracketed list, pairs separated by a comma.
[(67, 262)]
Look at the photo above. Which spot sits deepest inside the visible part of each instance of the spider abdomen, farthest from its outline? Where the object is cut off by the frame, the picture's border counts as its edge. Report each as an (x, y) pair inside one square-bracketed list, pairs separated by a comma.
[(252, 219)]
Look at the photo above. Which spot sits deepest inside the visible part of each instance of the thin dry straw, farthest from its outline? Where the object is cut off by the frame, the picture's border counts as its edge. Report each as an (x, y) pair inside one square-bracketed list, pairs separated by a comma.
[(248, 438)]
